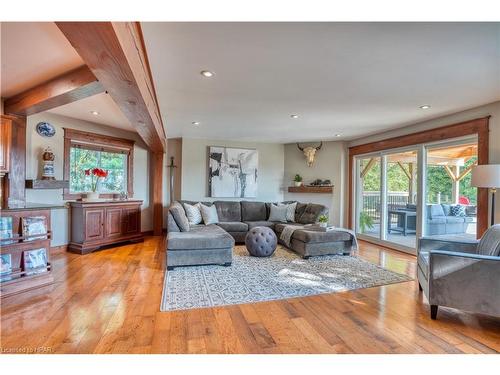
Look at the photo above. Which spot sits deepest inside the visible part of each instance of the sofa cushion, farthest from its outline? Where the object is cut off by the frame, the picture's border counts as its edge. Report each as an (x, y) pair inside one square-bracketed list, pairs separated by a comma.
[(228, 211), (278, 213), (278, 227), (454, 220), (200, 237), (179, 215), (312, 213), (446, 209), (310, 236), (423, 262), (299, 210), (290, 210), (193, 213), (457, 210), (233, 226), (253, 224), (209, 214), (435, 210), (171, 224), (253, 211), (196, 202)]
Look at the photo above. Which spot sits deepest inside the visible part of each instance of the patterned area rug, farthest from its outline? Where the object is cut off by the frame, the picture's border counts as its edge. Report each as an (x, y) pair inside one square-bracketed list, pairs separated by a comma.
[(284, 275)]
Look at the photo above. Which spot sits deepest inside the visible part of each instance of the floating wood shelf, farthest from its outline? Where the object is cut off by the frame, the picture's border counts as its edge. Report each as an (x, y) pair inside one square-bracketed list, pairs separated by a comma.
[(47, 184), (311, 189)]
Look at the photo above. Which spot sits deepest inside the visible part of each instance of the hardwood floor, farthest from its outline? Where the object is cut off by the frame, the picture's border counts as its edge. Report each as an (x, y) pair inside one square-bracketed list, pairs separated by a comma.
[(108, 302)]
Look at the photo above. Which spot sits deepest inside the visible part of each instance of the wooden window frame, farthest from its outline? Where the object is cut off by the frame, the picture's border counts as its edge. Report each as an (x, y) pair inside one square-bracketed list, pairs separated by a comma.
[(102, 142), (479, 127)]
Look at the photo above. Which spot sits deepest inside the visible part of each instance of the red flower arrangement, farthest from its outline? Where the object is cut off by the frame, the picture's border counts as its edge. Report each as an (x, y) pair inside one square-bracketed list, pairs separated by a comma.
[(97, 173)]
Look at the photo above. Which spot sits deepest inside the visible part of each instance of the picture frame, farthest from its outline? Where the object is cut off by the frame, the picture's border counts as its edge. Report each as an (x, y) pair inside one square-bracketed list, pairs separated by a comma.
[(35, 261), (6, 234), (5, 264), (33, 226), (232, 172)]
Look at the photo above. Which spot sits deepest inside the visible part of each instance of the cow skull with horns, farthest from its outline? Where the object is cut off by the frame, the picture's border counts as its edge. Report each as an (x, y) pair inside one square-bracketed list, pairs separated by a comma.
[(309, 153)]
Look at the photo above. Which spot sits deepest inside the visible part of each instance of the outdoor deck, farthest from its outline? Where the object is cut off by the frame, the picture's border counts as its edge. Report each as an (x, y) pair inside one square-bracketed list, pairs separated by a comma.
[(410, 240)]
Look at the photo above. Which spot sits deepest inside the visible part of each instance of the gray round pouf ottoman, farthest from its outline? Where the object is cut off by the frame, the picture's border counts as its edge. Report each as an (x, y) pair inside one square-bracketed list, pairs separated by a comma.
[(261, 241)]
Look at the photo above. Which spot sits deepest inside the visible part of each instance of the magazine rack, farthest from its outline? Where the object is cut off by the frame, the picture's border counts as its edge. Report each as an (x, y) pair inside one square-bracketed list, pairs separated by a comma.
[(19, 279)]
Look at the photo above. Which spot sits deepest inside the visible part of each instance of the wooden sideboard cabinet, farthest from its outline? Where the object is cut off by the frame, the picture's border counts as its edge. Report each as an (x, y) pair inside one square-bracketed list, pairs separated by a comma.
[(96, 224)]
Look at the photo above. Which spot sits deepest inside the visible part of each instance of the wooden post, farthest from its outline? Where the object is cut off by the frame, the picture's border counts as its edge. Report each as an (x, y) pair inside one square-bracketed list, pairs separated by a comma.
[(455, 185), (14, 185), (156, 173)]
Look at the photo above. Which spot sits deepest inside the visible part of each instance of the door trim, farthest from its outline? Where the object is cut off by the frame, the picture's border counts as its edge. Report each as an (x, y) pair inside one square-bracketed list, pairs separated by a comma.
[(479, 127)]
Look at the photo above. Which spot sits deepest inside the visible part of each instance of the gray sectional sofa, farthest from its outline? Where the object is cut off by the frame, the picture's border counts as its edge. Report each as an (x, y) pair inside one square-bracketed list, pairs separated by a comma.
[(212, 244)]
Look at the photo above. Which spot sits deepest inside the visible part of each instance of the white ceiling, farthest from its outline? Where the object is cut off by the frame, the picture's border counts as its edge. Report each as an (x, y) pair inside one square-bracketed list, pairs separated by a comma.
[(348, 78), (109, 113), (32, 53)]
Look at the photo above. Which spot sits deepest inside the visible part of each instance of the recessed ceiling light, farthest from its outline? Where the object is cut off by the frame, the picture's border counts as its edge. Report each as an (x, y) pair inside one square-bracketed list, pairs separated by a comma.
[(425, 106), (207, 73), (95, 113), (337, 135), (195, 123), (294, 116)]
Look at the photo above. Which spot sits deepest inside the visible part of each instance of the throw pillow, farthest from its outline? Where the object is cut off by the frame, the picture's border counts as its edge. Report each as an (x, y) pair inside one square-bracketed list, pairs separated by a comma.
[(290, 210), (278, 213), (457, 210), (193, 213), (209, 214), (312, 213), (179, 215)]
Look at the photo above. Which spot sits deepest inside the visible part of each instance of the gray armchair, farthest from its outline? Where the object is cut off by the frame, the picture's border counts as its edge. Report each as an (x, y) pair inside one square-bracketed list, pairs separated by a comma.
[(461, 274)]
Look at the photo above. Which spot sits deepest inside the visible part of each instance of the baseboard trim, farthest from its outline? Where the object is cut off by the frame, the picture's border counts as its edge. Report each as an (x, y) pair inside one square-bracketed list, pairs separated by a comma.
[(58, 249)]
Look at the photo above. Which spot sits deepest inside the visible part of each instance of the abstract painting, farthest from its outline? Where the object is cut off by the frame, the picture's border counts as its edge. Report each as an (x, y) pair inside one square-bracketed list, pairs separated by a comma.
[(232, 172)]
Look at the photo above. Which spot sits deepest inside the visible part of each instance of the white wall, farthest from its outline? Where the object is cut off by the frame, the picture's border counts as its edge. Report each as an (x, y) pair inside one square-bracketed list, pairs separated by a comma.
[(329, 164), (35, 144), (492, 109), (195, 168)]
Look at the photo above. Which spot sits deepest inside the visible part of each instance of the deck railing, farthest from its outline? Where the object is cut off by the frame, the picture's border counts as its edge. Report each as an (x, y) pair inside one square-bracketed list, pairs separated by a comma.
[(372, 204)]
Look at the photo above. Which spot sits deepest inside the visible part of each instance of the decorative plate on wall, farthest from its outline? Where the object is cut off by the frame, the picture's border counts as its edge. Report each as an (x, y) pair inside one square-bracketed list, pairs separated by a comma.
[(45, 129)]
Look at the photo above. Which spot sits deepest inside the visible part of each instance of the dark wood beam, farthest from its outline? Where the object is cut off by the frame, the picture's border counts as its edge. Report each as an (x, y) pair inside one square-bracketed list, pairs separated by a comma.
[(115, 53), (157, 192), (66, 88)]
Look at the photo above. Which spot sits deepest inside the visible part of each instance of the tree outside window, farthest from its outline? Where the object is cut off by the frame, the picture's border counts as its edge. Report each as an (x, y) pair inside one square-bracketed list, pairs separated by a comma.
[(115, 163)]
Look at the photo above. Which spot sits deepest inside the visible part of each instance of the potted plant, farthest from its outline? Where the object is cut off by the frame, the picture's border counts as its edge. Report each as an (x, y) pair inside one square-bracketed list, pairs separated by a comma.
[(365, 222), (297, 180), (96, 174), (323, 221)]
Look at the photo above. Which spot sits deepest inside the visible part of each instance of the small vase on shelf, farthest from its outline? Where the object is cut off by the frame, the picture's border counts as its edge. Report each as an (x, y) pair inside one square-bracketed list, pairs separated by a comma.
[(93, 196)]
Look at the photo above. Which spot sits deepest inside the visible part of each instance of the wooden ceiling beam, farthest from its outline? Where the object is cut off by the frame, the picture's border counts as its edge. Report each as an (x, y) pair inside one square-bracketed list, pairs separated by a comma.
[(74, 85), (115, 53)]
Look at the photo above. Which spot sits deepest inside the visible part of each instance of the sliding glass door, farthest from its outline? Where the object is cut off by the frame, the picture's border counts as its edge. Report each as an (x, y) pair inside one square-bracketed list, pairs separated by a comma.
[(451, 202), (369, 197), (386, 197), (402, 194)]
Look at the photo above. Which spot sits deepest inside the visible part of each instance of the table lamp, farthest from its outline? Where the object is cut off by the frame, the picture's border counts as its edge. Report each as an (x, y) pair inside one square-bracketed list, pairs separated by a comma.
[(487, 176)]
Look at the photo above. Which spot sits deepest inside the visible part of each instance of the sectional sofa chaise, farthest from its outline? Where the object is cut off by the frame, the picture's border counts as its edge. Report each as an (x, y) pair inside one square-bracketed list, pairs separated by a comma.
[(212, 244)]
